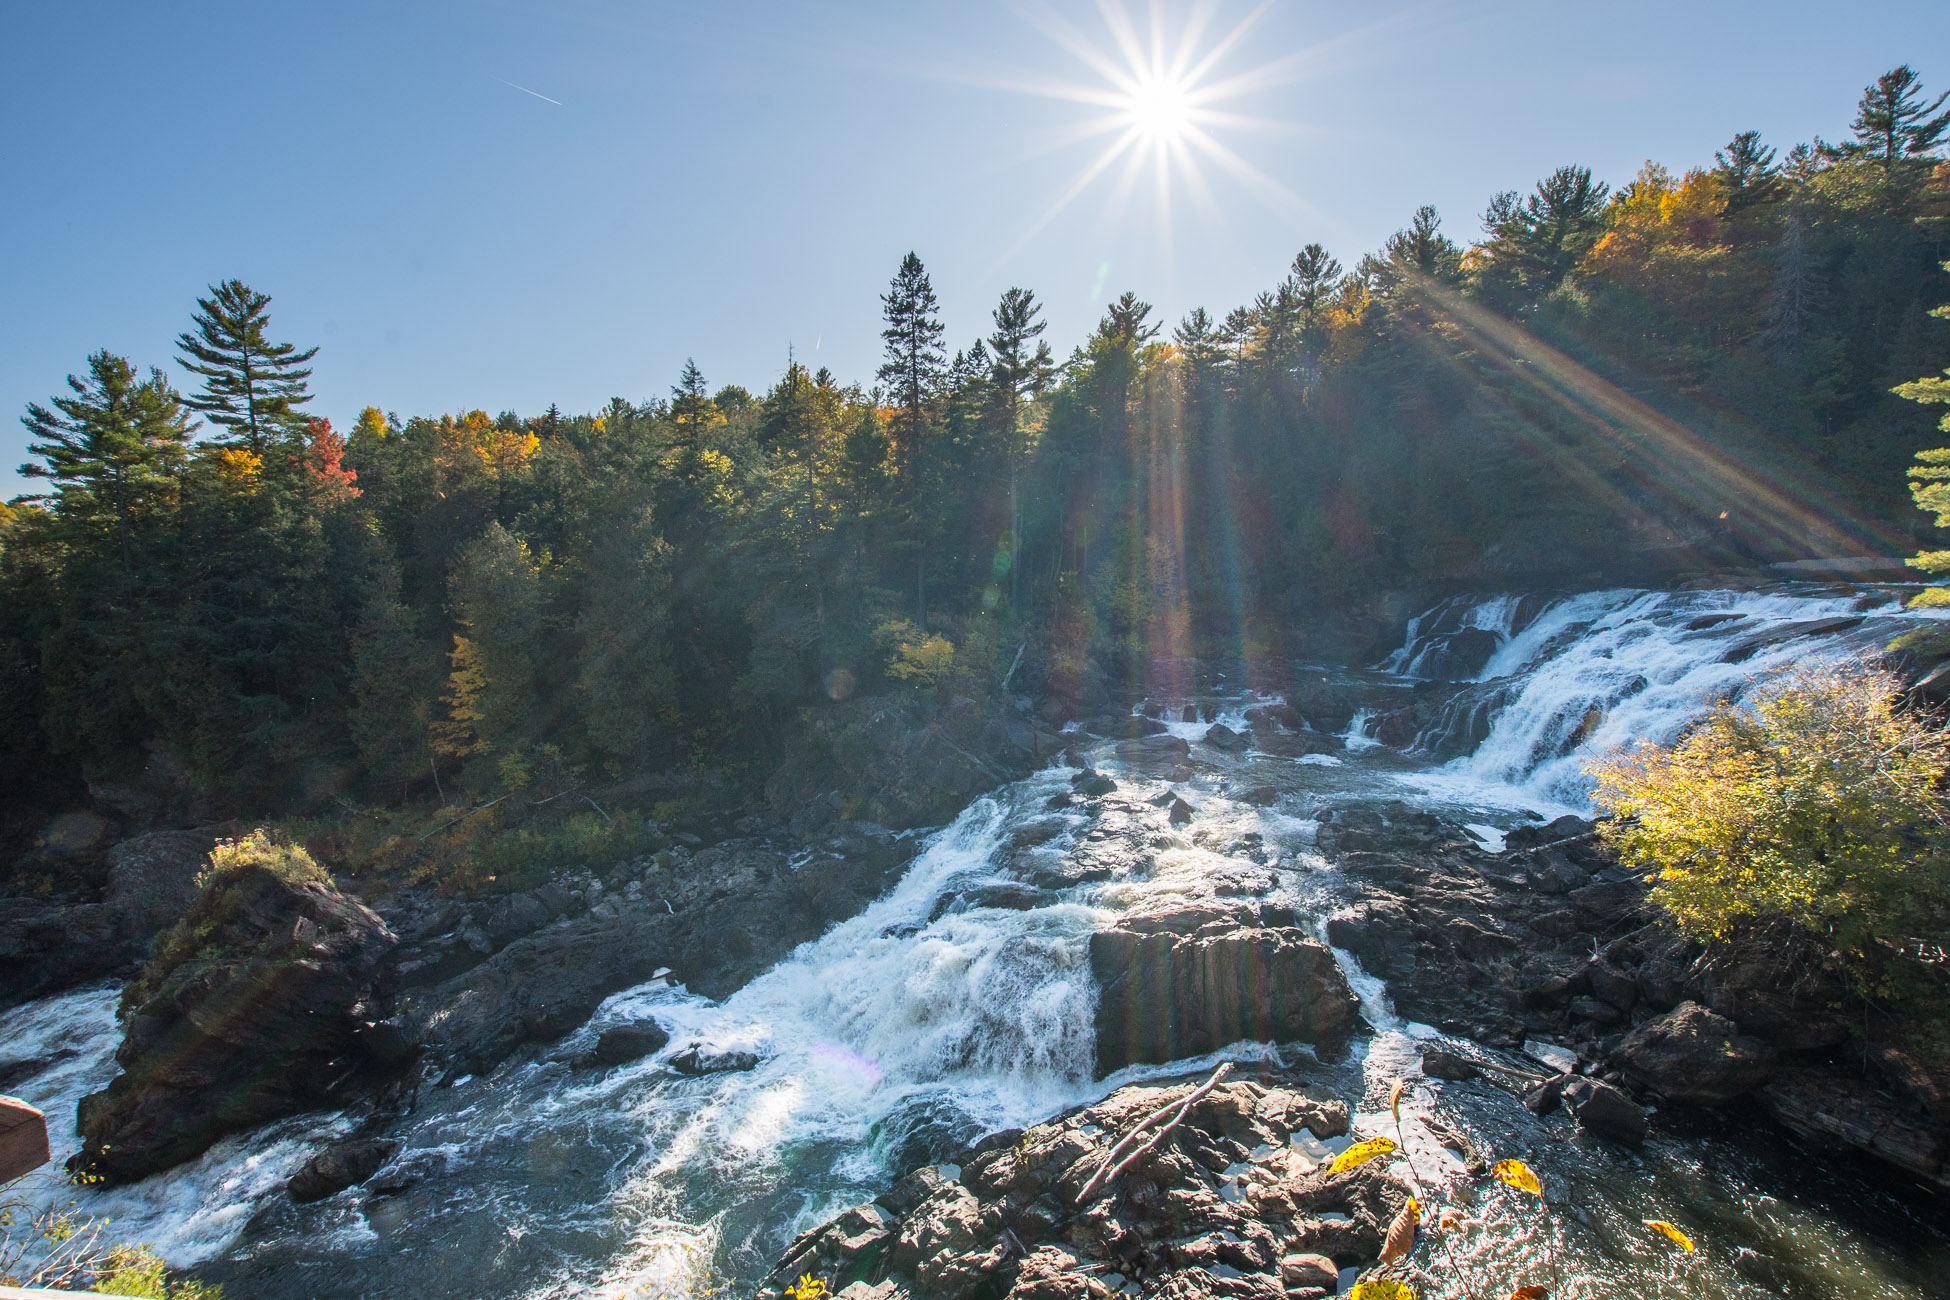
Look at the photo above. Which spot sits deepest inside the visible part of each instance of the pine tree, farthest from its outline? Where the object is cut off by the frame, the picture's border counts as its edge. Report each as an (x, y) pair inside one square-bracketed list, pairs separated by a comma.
[(1315, 278), (915, 362), (691, 407), (1017, 372), (111, 447), (915, 367), (251, 386), (1892, 123), (1421, 249), (1535, 241), (1746, 172)]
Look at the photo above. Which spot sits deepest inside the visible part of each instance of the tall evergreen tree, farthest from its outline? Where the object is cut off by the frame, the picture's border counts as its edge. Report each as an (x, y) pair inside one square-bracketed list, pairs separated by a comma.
[(1746, 172), (251, 386), (1316, 276), (916, 361), (110, 447), (1892, 123), (1017, 371), (1536, 240), (915, 366)]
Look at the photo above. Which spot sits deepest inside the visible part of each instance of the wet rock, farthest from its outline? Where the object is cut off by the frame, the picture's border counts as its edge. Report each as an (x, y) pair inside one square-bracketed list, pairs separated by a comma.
[(1604, 1109), (1438, 1064), (1180, 812), (337, 1167), (1173, 985), (1215, 1207), (1278, 716), (1222, 737), (247, 1015), (1301, 1271), (1262, 796), (1092, 784), (621, 1044), (699, 1059), (1692, 1055), (1296, 744), (1764, 1269)]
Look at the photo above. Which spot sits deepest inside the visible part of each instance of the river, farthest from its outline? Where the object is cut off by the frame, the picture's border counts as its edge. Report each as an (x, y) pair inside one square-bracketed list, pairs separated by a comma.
[(909, 1028)]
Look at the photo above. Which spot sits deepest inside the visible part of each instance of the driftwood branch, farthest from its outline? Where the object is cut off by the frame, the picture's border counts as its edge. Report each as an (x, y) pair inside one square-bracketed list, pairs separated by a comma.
[(598, 807), (1112, 1166), (1012, 668)]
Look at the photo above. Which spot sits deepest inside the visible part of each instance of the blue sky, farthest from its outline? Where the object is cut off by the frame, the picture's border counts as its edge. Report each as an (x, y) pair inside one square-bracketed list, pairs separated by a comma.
[(726, 180)]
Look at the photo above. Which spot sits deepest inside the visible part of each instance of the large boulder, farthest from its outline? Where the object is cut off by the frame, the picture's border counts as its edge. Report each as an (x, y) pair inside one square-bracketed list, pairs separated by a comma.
[(337, 1167), (1192, 980), (1692, 1055), (245, 1014)]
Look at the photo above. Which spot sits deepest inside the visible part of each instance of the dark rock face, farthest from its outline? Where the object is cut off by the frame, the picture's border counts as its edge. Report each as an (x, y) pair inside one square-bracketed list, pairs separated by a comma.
[(1780, 991), (343, 1165), (1190, 981), (1692, 1055), (621, 1044), (46, 947), (1220, 1207), (698, 1059), (255, 1023), (1828, 1106), (1605, 1110), (1222, 737)]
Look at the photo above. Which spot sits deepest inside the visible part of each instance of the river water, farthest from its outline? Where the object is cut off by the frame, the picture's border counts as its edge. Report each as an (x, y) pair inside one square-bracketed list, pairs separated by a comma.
[(896, 1036)]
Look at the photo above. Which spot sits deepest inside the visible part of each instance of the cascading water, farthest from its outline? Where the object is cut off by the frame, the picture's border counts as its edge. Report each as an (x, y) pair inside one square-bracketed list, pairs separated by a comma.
[(1592, 673), (920, 1022)]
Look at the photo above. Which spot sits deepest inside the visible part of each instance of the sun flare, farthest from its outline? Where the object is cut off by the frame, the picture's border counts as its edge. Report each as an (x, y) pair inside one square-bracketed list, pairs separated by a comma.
[(1160, 109), (1167, 83)]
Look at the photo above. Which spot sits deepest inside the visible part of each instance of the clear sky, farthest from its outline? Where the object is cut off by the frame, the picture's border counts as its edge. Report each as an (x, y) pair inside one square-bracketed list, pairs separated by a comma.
[(502, 204)]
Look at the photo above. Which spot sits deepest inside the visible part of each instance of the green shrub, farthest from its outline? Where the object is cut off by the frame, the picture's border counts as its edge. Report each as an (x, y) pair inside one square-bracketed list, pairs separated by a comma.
[(1817, 800)]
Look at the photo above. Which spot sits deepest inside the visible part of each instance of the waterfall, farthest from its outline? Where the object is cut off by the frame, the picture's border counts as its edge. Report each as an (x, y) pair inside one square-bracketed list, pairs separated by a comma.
[(1591, 673)]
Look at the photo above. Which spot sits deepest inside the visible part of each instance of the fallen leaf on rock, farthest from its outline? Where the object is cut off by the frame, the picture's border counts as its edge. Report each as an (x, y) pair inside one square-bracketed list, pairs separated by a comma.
[(1517, 1174), (1679, 1238), (1395, 1099), (1359, 1154), (1531, 1292), (1401, 1233)]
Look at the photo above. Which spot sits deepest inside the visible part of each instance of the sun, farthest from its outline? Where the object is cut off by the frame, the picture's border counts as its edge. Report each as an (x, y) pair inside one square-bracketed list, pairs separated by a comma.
[(1161, 109), (1164, 82)]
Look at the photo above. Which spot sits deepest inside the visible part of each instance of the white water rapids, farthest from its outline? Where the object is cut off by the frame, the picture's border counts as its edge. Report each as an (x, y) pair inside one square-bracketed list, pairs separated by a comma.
[(893, 1033)]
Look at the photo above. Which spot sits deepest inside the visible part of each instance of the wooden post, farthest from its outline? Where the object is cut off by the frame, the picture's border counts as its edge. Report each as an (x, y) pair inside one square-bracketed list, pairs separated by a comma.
[(23, 1139)]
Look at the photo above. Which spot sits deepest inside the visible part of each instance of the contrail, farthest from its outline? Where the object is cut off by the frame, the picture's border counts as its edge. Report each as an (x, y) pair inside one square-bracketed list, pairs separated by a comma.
[(526, 91)]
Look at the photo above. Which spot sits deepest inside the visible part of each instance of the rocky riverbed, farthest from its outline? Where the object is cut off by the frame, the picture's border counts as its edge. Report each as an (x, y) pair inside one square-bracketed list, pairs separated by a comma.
[(650, 1073)]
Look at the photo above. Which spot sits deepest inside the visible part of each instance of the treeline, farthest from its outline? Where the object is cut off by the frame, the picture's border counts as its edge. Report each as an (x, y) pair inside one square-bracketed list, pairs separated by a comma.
[(272, 612)]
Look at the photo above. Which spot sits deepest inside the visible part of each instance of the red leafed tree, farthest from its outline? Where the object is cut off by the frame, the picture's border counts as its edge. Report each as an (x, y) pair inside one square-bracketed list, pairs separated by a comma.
[(323, 460)]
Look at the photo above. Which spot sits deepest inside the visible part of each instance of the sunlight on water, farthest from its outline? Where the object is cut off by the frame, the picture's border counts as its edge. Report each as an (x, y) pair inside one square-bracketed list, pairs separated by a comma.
[(894, 1033)]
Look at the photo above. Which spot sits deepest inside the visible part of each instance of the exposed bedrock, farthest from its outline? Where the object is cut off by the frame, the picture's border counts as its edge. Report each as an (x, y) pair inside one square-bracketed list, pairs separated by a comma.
[(1552, 940), (247, 1014), (1233, 1201), (1189, 981)]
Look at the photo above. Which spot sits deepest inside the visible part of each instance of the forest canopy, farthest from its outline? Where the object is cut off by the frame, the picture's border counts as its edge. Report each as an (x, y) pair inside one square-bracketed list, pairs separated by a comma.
[(1690, 369)]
